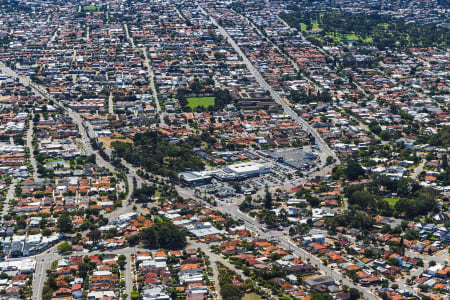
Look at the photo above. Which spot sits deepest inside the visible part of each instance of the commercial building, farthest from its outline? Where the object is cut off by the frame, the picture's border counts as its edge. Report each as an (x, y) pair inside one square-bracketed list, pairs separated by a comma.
[(192, 178), (246, 170)]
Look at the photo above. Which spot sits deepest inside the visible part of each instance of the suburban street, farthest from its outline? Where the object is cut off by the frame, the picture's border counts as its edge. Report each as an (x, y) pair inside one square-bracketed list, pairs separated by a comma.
[(151, 77), (283, 240), (287, 109), (128, 276), (43, 260), (284, 142), (30, 147), (9, 196)]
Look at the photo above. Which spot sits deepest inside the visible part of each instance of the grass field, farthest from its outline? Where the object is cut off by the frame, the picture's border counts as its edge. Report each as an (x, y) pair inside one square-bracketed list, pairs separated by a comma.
[(107, 140), (92, 8), (392, 201), (194, 102), (350, 36), (53, 160), (343, 38), (315, 25), (354, 37), (251, 296)]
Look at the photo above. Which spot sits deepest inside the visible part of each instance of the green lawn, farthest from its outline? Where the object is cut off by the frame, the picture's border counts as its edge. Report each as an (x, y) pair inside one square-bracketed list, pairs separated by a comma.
[(351, 37), (54, 265), (338, 38), (355, 37), (92, 8), (194, 102), (391, 201), (315, 25), (346, 37)]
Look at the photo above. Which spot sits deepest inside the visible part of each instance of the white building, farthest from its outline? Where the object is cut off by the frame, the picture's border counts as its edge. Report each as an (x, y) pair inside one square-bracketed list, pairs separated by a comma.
[(250, 169)]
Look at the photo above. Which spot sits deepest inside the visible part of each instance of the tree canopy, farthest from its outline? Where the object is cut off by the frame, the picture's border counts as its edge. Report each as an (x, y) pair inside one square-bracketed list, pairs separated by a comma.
[(353, 170), (375, 29), (440, 139), (64, 223), (162, 234), (153, 151)]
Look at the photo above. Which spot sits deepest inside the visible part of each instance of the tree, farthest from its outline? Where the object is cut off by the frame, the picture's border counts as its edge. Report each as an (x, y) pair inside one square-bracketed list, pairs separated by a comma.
[(292, 231), (353, 170), (392, 261), (122, 261), (374, 127), (134, 295), (153, 151), (83, 269), (133, 240), (64, 223), (320, 296), (330, 160), (46, 232), (47, 293), (92, 158), (144, 194), (230, 292), (246, 205), (313, 201), (362, 198), (354, 294), (163, 235), (424, 201), (64, 247), (268, 199), (95, 235)]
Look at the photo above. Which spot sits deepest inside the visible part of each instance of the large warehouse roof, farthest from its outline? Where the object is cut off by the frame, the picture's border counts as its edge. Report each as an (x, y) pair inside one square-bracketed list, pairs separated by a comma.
[(245, 168)]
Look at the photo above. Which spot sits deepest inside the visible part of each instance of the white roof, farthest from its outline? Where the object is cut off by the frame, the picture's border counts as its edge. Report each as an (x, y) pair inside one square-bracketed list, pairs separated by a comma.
[(246, 167), (102, 273)]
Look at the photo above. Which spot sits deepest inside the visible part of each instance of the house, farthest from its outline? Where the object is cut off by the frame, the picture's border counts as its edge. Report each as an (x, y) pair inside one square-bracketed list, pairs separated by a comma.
[(321, 280), (433, 271), (292, 279), (155, 292), (101, 294)]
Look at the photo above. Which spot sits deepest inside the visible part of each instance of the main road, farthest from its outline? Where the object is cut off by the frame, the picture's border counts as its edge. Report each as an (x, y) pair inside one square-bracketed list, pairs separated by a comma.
[(287, 109), (283, 240), (45, 258)]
